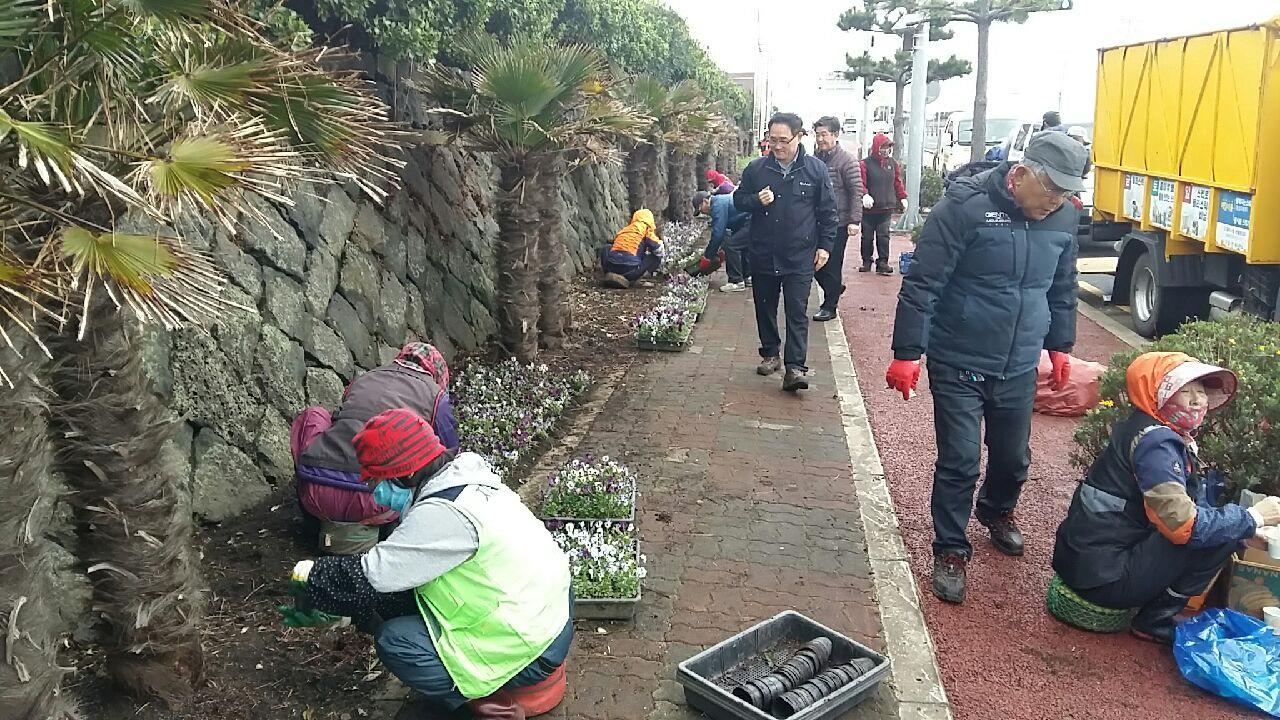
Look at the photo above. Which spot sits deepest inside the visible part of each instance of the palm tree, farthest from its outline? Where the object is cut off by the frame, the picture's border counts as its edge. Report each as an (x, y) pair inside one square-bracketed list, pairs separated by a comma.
[(540, 110), (155, 109)]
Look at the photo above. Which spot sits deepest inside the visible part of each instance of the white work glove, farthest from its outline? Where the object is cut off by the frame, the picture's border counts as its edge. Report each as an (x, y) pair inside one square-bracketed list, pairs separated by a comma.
[(302, 570), (903, 204), (1266, 512), (868, 202)]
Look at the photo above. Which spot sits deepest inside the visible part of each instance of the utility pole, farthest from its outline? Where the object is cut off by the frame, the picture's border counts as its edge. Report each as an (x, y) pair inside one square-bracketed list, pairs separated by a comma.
[(915, 138)]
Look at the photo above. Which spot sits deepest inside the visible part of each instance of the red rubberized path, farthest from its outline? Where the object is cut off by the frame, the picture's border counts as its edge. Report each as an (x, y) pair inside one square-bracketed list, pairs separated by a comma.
[(1001, 654)]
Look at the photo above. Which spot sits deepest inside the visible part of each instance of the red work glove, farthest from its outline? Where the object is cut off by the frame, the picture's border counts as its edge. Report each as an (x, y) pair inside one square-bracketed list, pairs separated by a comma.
[(720, 255), (903, 376), (1076, 201), (1061, 370)]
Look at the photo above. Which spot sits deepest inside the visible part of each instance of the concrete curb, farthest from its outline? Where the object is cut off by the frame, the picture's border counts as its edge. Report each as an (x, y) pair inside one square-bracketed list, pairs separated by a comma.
[(1108, 323), (917, 683)]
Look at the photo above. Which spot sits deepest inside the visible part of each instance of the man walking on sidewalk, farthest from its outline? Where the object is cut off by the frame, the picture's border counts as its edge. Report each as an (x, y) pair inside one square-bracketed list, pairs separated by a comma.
[(846, 178), (793, 230), (992, 283), (885, 194)]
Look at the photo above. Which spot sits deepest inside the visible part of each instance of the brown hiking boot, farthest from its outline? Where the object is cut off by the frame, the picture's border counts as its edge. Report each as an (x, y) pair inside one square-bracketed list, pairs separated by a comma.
[(769, 366), (866, 267), (614, 280)]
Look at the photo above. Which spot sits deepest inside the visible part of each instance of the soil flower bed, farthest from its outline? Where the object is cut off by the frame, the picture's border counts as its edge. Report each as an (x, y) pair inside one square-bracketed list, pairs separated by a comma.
[(505, 410), (590, 488), (603, 558)]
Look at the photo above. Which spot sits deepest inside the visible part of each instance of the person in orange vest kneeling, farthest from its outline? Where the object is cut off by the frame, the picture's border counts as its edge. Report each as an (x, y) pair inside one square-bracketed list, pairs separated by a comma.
[(471, 594)]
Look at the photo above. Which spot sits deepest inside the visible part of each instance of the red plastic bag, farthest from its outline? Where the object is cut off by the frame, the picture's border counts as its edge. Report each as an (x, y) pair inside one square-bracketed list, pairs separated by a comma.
[(1080, 394)]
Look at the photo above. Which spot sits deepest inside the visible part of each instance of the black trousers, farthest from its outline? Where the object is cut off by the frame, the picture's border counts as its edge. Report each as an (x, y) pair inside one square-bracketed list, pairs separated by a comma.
[(632, 273), (1155, 565), (875, 237), (831, 277), (960, 406), (794, 288)]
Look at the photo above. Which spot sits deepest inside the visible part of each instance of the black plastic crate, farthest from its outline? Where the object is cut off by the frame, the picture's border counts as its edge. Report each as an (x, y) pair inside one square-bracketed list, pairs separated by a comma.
[(709, 676)]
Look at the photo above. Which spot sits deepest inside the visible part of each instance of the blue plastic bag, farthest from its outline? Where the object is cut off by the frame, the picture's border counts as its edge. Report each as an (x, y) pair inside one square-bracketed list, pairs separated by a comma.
[(1232, 655)]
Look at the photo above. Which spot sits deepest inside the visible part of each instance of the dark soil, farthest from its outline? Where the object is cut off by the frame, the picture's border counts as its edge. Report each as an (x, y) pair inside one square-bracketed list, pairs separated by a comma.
[(257, 669)]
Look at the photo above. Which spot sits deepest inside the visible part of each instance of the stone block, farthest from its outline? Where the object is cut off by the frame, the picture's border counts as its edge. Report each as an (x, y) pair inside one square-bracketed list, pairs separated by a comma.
[(415, 314), (482, 321), (370, 230), (320, 281), (337, 221), (391, 312), (342, 316), (225, 481), (281, 368), (307, 213), (324, 388), (243, 270), (360, 284), (456, 324), (271, 238), (415, 247), (329, 349), (394, 253), (283, 305), (273, 446), (208, 392), (237, 331)]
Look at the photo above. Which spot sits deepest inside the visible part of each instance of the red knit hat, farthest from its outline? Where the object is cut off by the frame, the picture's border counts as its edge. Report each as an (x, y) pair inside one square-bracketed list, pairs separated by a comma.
[(715, 175), (395, 443)]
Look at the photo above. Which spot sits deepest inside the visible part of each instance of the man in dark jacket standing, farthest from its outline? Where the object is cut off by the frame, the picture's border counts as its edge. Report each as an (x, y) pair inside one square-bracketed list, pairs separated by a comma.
[(793, 231), (885, 195), (993, 282), (846, 178)]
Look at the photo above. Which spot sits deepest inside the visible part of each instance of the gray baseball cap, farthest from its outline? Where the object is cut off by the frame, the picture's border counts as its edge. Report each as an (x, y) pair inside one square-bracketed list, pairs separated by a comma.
[(1064, 159)]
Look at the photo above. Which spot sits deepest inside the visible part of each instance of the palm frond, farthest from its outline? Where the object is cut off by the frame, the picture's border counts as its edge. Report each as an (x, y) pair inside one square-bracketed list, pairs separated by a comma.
[(157, 277), (17, 20), (170, 10)]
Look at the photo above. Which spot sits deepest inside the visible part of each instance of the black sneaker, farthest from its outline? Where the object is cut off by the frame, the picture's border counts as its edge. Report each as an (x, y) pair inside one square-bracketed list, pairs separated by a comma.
[(769, 366), (866, 267), (795, 380), (883, 268), (1005, 535), (949, 577)]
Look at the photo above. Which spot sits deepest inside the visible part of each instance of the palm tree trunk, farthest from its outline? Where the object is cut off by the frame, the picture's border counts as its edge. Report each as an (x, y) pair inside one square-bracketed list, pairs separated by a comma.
[(640, 166), (978, 147), (680, 186), (705, 160), (31, 679), (132, 505), (553, 280), (519, 222)]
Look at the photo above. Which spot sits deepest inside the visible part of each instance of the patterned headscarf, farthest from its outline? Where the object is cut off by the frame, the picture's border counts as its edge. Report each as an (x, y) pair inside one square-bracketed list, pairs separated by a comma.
[(424, 357), (1155, 377)]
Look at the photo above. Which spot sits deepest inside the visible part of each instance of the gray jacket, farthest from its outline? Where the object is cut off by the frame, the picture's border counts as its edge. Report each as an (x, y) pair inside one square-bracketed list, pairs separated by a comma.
[(846, 177)]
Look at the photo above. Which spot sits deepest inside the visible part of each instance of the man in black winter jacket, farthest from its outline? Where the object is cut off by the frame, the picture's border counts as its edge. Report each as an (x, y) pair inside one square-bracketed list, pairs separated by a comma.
[(993, 282), (793, 231)]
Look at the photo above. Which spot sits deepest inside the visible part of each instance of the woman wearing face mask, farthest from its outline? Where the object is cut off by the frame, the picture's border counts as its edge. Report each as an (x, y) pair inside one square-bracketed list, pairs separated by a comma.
[(1147, 528)]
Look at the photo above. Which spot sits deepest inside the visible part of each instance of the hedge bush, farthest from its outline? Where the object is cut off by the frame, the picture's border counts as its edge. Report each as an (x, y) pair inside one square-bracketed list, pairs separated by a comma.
[(930, 187), (1240, 439)]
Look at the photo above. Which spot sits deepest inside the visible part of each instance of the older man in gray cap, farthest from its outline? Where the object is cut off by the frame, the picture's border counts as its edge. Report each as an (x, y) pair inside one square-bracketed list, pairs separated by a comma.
[(993, 282)]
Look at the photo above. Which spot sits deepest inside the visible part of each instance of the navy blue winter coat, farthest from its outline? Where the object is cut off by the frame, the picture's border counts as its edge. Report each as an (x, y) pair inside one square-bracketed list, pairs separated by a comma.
[(988, 288)]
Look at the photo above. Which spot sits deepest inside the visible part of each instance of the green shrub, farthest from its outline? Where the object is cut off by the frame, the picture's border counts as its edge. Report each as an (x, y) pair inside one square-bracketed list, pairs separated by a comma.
[(930, 187), (1240, 439)]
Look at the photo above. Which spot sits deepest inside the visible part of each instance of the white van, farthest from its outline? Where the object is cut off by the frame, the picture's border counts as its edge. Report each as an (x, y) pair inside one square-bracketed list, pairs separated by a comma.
[(957, 138)]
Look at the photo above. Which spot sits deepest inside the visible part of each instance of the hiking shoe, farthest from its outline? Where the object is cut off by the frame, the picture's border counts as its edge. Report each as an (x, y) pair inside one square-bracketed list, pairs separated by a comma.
[(747, 282), (866, 267), (795, 380), (733, 287), (824, 315), (616, 281), (882, 268), (1005, 534), (949, 577), (769, 366)]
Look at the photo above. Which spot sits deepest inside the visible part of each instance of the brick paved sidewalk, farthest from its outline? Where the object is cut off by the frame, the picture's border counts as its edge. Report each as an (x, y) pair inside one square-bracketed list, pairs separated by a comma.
[(747, 508)]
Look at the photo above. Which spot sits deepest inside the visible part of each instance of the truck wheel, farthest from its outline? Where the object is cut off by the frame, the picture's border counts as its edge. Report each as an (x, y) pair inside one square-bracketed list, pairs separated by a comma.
[(1158, 310)]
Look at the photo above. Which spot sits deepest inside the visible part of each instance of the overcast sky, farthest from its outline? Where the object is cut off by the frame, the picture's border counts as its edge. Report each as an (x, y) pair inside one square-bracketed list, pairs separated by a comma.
[(1048, 62)]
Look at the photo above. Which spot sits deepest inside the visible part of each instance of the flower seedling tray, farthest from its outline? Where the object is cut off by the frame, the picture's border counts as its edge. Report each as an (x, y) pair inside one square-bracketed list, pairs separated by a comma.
[(709, 676), (609, 608), (665, 347), (549, 519)]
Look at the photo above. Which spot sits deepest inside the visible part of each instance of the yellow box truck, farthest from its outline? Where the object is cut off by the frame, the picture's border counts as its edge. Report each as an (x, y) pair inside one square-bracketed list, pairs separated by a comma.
[(1187, 174)]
